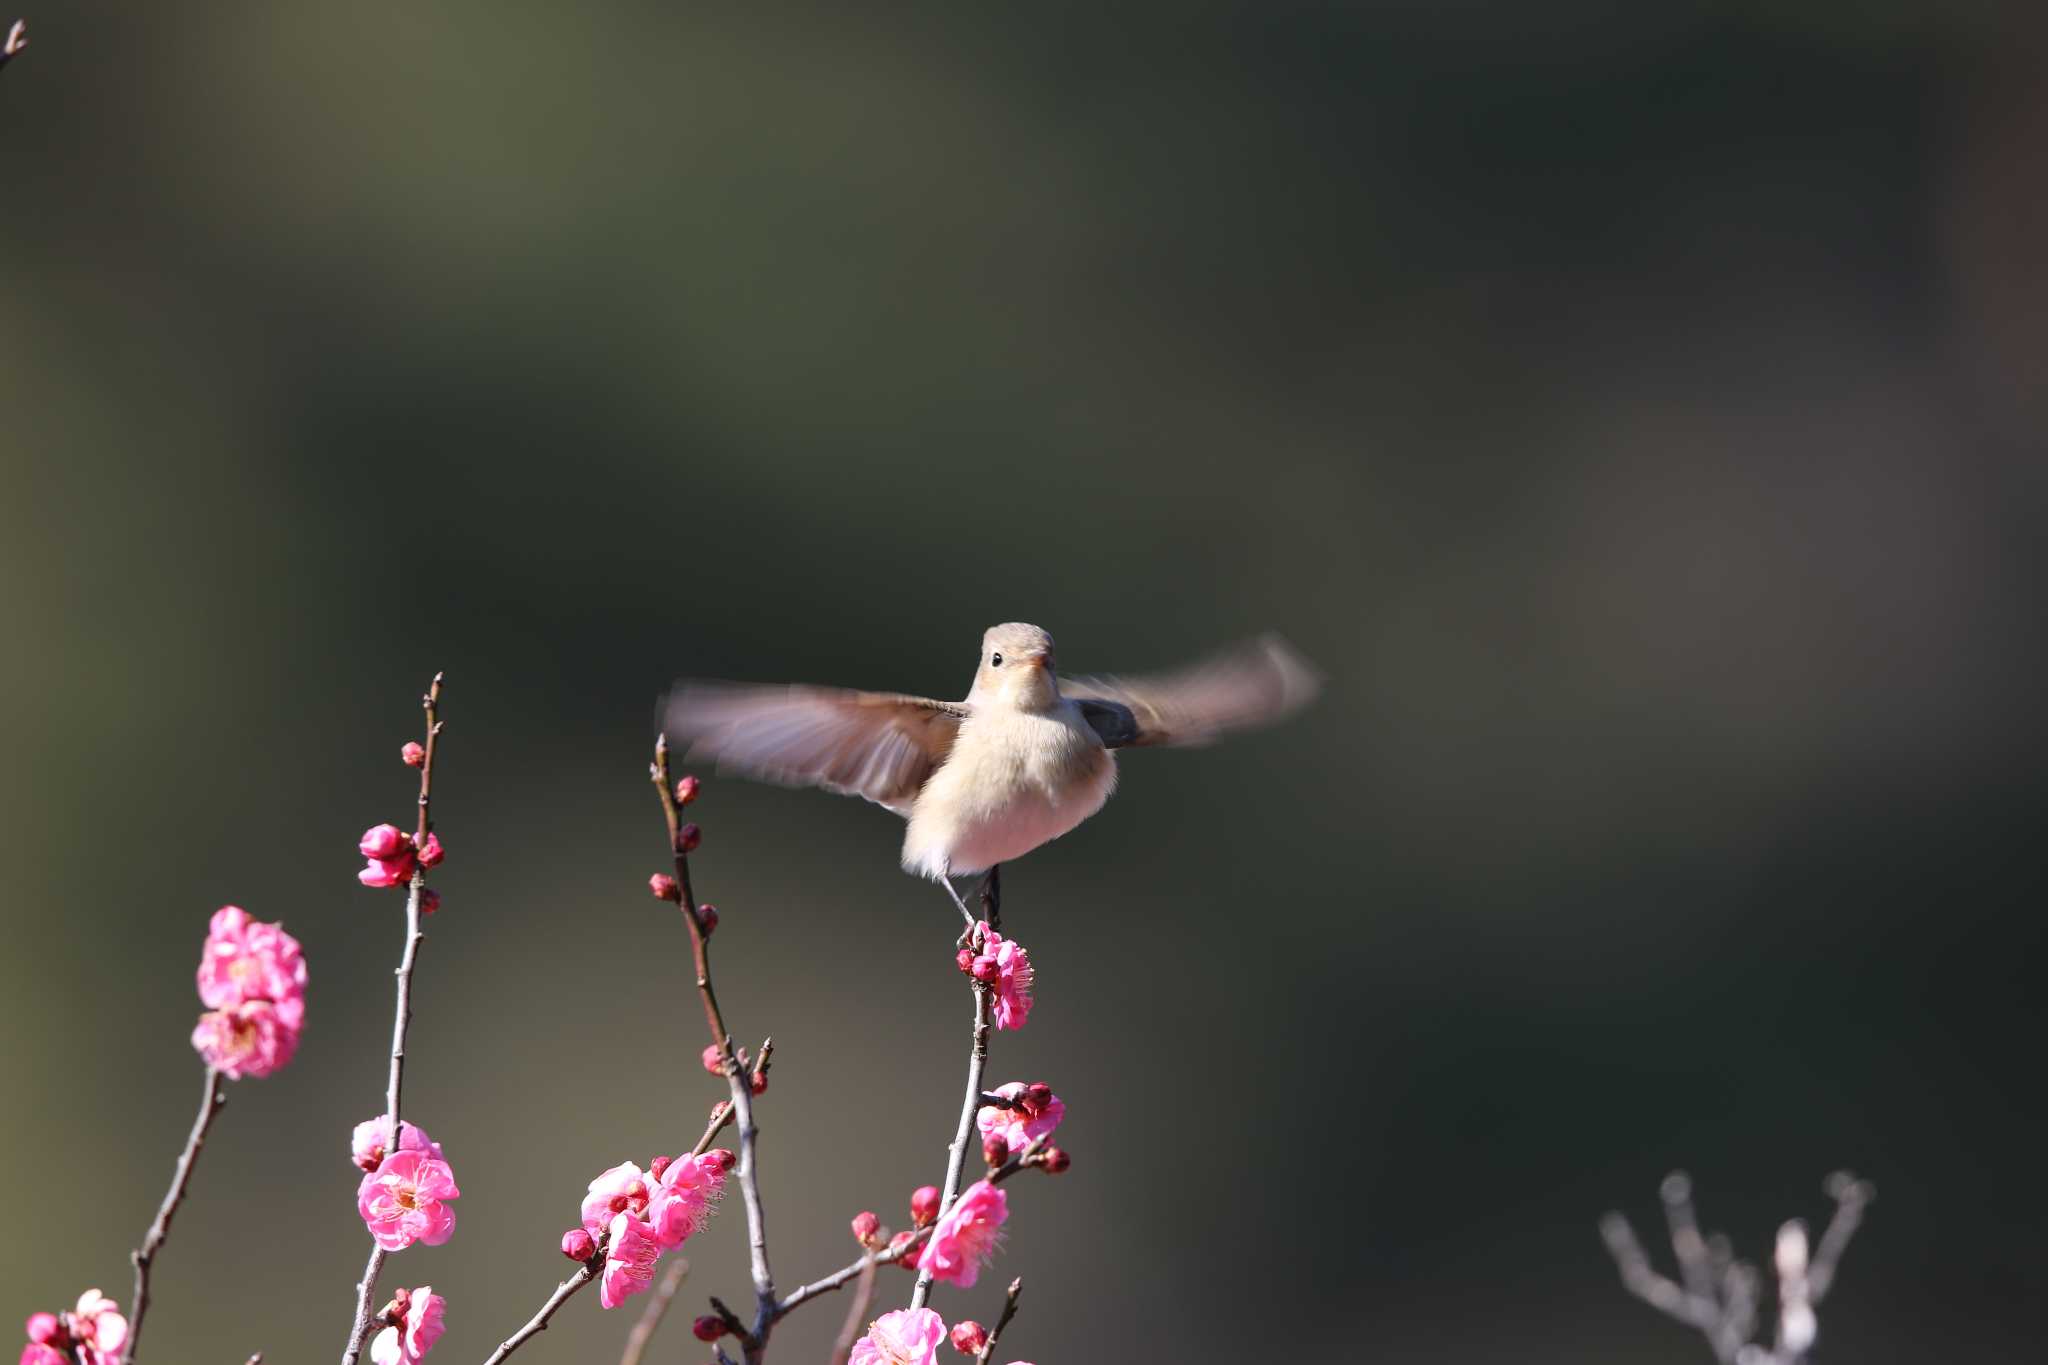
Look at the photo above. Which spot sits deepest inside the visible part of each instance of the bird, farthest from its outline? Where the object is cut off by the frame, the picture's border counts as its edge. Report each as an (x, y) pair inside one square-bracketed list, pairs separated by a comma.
[(1024, 758)]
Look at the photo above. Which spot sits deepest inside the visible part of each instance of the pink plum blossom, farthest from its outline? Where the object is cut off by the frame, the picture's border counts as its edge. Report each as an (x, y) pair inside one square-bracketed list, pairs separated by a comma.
[(1005, 966), (908, 1336), (965, 1237), (422, 1328), (97, 1330), (686, 1198), (371, 1139), (629, 1260), (1019, 1127), (625, 1188), (253, 1038), (246, 959), (389, 856), (403, 1200)]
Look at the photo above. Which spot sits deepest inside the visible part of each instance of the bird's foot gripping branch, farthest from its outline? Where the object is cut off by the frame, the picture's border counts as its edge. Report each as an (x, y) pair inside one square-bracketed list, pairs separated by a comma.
[(252, 979)]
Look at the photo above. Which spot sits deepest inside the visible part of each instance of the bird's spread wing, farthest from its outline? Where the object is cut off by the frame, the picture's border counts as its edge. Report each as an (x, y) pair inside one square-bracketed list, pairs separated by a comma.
[(1256, 682), (880, 745)]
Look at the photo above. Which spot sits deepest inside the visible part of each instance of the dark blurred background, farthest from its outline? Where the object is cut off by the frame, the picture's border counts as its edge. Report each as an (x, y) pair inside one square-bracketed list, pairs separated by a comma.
[(1637, 410)]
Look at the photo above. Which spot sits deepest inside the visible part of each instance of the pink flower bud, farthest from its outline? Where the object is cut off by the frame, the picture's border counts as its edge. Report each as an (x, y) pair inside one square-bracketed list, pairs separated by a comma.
[(985, 970), (664, 887), (758, 1082), (578, 1245), (714, 1059), (707, 915), (710, 1327), (430, 900), (656, 1165), (924, 1205), (44, 1329), (866, 1227), (686, 789), (395, 870), (718, 1109), (430, 851), (1037, 1098), (965, 957), (413, 754), (381, 841), (900, 1243), (725, 1159), (969, 1337), (1055, 1160), (995, 1151), (690, 836)]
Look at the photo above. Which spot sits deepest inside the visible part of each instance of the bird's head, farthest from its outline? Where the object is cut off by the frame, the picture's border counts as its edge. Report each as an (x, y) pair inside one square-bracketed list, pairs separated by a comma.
[(1016, 668)]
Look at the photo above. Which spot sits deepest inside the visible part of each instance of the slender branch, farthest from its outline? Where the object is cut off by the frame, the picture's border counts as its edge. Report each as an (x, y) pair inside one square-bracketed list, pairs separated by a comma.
[(538, 1323), (17, 39), (856, 1312), (1851, 1197), (366, 1288), (656, 1310), (738, 1080), (213, 1095), (256, 1359), (977, 1061), (988, 1348)]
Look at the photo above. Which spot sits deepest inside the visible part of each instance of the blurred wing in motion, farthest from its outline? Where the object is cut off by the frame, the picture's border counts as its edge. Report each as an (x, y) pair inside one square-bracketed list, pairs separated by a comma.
[(880, 745), (1255, 683)]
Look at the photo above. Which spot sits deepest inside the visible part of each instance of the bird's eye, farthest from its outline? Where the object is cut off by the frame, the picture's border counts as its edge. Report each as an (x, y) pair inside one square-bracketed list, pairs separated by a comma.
[(995, 661)]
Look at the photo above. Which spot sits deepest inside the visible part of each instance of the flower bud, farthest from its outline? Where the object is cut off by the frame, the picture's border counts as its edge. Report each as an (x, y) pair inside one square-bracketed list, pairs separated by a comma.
[(866, 1227), (430, 900), (965, 957), (718, 1109), (663, 887), (924, 1205), (657, 1165), (758, 1082), (985, 970), (430, 851), (1055, 1160), (899, 1246), (578, 1245), (996, 1150), (969, 1337), (714, 1059), (1037, 1098), (710, 1327), (413, 754), (707, 916), (725, 1159), (686, 789), (44, 1329), (690, 836), (381, 841)]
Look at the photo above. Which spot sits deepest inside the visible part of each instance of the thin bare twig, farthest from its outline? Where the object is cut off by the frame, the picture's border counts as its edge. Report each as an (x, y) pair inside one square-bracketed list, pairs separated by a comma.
[(856, 1312), (738, 1080), (213, 1095), (657, 1309), (538, 1323), (956, 1159), (366, 1288), (17, 39), (988, 1348)]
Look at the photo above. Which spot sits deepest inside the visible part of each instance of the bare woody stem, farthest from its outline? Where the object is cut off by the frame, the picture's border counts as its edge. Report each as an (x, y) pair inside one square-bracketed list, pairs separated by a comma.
[(14, 42), (988, 1348), (956, 1160), (366, 1288), (212, 1097), (657, 1308), (856, 1312), (737, 1080)]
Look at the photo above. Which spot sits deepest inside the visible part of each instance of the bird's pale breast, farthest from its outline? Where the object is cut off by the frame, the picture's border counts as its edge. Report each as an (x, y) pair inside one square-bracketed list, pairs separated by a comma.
[(1014, 781)]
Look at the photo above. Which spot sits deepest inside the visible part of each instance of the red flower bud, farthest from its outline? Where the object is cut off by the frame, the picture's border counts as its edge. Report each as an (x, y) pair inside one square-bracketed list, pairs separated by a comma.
[(690, 836), (413, 754), (381, 841), (866, 1227), (710, 1327), (578, 1245), (725, 1159), (718, 1109), (657, 1165), (686, 789), (430, 851), (985, 970), (1055, 1160), (969, 1336), (707, 916), (995, 1151), (758, 1082), (663, 887), (900, 1244), (430, 900), (714, 1059), (965, 957), (1037, 1098), (924, 1205)]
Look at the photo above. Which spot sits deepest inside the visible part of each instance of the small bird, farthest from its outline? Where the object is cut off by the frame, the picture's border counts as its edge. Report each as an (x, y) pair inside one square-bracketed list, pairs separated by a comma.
[(1027, 756)]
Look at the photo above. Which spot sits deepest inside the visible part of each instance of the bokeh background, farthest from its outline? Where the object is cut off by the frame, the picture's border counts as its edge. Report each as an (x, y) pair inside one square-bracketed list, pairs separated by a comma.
[(1637, 410)]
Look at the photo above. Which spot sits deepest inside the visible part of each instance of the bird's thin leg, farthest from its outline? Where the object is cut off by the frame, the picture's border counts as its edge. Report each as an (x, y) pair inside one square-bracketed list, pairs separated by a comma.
[(961, 906)]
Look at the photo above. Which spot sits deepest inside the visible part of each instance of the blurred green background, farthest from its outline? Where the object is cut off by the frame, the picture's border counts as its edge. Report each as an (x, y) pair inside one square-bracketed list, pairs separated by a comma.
[(1636, 410)]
